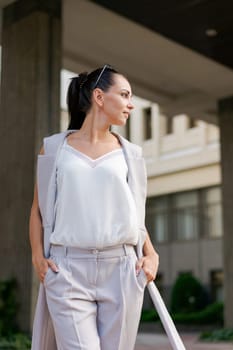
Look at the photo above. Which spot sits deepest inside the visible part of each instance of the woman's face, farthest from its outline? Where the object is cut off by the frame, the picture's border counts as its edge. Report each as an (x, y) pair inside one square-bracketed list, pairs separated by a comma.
[(117, 103)]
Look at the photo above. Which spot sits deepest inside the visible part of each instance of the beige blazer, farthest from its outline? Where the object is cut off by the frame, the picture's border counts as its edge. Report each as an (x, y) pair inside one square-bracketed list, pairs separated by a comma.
[(43, 333)]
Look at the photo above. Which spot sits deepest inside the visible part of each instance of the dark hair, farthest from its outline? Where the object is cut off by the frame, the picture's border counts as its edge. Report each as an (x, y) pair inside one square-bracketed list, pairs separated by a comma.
[(80, 93)]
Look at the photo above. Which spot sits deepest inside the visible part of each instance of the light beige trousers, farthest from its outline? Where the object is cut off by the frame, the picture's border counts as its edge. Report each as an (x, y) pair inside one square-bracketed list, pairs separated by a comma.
[(95, 299)]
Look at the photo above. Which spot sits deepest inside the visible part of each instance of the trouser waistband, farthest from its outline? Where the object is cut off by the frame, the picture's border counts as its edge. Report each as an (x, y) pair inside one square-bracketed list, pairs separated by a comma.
[(75, 252)]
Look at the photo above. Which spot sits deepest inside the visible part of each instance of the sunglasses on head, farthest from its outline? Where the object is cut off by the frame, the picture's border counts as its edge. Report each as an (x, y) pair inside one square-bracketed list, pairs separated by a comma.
[(100, 75)]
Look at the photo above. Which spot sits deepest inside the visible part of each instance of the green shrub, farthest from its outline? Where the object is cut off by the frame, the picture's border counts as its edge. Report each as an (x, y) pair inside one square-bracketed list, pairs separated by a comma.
[(218, 335), (149, 315), (16, 341), (188, 295), (212, 314), (8, 307), (9, 339)]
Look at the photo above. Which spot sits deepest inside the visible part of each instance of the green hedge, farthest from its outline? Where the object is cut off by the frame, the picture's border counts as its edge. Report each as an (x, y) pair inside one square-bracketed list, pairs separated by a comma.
[(212, 314), (10, 338), (218, 335), (8, 307), (16, 341), (149, 316)]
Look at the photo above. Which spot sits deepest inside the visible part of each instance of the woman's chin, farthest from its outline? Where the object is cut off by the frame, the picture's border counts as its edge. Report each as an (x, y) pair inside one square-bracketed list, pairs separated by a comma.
[(120, 122)]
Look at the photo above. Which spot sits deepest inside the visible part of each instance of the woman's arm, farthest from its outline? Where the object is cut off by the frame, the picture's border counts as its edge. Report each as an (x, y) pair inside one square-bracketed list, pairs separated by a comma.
[(150, 260), (41, 264)]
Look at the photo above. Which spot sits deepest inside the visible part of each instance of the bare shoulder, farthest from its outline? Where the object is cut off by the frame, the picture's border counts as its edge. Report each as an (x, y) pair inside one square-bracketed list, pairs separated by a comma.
[(42, 150)]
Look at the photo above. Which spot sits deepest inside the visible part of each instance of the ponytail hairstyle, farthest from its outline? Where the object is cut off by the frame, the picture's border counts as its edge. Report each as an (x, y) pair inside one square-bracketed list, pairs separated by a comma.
[(80, 90)]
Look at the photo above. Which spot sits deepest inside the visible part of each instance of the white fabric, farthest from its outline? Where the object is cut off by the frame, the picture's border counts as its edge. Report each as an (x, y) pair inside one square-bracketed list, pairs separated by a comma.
[(94, 207)]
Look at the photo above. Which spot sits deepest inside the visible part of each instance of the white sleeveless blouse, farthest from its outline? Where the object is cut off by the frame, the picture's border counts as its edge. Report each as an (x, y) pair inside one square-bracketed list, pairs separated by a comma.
[(94, 207)]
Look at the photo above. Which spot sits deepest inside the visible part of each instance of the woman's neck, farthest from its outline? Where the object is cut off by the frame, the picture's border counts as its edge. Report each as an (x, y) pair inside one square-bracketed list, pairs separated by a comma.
[(94, 131)]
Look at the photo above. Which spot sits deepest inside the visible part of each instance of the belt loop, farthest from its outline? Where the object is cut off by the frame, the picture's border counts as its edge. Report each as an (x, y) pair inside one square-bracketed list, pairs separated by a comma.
[(125, 248)]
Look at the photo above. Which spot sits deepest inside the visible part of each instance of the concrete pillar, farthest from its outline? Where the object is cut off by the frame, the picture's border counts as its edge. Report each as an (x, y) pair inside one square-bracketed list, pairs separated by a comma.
[(226, 136), (30, 93)]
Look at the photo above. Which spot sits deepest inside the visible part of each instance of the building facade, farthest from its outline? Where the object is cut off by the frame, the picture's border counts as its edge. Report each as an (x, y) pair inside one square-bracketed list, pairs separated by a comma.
[(184, 211)]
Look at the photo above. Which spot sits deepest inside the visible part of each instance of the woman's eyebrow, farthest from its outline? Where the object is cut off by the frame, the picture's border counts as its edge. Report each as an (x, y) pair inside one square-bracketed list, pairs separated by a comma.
[(127, 91)]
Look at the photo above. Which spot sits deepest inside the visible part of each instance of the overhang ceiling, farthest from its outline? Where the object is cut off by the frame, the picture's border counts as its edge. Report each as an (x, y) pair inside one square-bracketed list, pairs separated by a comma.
[(205, 26), (179, 79)]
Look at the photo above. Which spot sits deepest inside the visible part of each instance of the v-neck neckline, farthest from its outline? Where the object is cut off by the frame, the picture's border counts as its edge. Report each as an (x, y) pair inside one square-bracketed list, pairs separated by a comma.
[(90, 159)]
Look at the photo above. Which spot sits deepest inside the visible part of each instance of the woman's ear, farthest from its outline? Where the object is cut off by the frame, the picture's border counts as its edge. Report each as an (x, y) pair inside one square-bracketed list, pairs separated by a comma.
[(98, 97)]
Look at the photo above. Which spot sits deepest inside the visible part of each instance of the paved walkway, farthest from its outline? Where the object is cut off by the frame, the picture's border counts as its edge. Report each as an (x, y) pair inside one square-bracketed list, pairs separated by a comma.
[(148, 341)]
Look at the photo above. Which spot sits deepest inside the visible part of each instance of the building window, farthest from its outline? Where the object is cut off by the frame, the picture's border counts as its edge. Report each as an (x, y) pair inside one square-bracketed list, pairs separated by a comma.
[(157, 219), (212, 212), (185, 215), (216, 285), (192, 123), (147, 123), (169, 125)]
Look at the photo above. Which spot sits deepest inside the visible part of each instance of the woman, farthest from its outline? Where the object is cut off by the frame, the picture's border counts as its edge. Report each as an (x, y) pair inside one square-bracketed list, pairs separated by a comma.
[(90, 248)]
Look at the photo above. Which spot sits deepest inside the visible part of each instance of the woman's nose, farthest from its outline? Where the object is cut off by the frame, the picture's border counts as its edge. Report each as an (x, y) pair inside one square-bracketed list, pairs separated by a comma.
[(130, 105)]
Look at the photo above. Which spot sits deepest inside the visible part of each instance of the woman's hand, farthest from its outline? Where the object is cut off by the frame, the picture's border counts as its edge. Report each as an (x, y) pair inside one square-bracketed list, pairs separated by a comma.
[(149, 263), (42, 265)]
